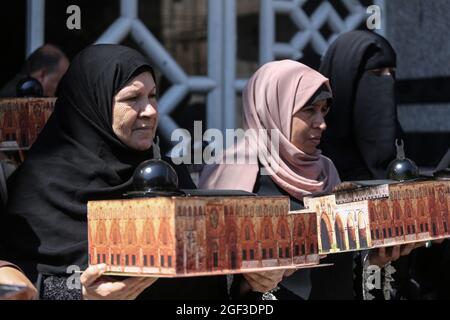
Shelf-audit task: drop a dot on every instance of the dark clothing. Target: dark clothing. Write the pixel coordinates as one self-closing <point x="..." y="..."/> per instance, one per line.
<point x="334" y="283"/>
<point x="362" y="124"/>
<point x="77" y="158"/>
<point x="9" y="90"/>
<point x="429" y="272"/>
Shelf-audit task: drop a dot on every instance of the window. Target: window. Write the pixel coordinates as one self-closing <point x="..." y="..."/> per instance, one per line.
<point x="264" y="254"/>
<point x="127" y="262"/>
<point x="233" y="260"/>
<point x="244" y="254"/>
<point x="145" y="260"/>
<point x="384" y="233"/>
<point x="377" y="233"/>
<point x="283" y="232"/>
<point x="162" y="261"/>
<point x="247" y="233"/>
<point x="371" y="234"/>
<point x="252" y="254"/>
<point x="396" y="232"/>
<point x="421" y="227"/>
<point x="312" y="248"/>
<point x="401" y="231"/>
<point x="169" y="261"/>
<point x="408" y="229"/>
<point x="288" y="252"/>
<point x="280" y="252"/>
<point x="297" y="250"/>
<point x="300" y="230"/>
<point x="216" y="259"/>
<point x="112" y="259"/>
<point x="303" y="249"/>
<point x="270" y="253"/>
<point x="390" y="232"/>
<point x="118" y="259"/>
<point x="445" y="226"/>
<point x="133" y="260"/>
<point x="413" y="228"/>
<point x="98" y="259"/>
<point x="152" y="260"/>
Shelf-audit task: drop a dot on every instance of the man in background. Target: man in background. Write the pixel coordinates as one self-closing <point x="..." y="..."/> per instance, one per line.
<point x="47" y="64"/>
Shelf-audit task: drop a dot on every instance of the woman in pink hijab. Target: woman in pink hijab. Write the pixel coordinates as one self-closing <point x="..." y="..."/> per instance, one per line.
<point x="291" y="98"/>
<point x="289" y="101"/>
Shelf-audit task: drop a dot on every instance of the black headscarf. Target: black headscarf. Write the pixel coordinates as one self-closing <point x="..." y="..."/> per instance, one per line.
<point x="76" y="158"/>
<point x="363" y="123"/>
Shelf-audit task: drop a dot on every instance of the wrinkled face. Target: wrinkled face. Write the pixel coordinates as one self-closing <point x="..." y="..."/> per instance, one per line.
<point x="135" y="112"/>
<point x="308" y="124"/>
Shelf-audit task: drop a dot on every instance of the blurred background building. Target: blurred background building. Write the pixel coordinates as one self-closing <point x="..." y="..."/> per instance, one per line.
<point x="205" y="50"/>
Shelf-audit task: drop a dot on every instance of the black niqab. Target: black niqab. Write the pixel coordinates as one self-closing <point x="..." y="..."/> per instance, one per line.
<point x="362" y="124"/>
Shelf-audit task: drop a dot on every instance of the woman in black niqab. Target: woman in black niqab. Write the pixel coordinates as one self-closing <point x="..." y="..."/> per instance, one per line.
<point x="362" y="125"/>
<point x="77" y="158"/>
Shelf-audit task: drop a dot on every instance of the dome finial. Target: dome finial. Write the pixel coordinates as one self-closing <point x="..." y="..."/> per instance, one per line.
<point x="402" y="168"/>
<point x="400" y="149"/>
<point x="156" y="149"/>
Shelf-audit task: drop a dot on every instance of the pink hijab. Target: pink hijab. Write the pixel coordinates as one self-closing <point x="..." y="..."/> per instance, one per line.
<point x="273" y="95"/>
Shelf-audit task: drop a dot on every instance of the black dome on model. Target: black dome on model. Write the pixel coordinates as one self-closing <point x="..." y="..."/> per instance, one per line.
<point x="29" y="88"/>
<point x="155" y="176"/>
<point x="402" y="168"/>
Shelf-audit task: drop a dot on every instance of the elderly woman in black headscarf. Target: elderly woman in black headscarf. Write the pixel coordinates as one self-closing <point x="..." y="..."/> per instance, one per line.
<point x="102" y="127"/>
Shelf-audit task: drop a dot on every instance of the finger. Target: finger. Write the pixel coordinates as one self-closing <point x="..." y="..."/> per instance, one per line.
<point x="31" y="293"/>
<point x="382" y="253"/>
<point x="438" y="241"/>
<point x="134" y="280"/>
<point x="105" y="290"/>
<point x="141" y="287"/>
<point x="395" y="254"/>
<point x="420" y="245"/>
<point x="289" y="273"/>
<point x="388" y="255"/>
<point x="253" y="277"/>
<point x="406" y="249"/>
<point x="257" y="283"/>
<point x="271" y="275"/>
<point x="256" y="280"/>
<point x="265" y="276"/>
<point x="261" y="286"/>
<point x="115" y="290"/>
<point x="91" y="274"/>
